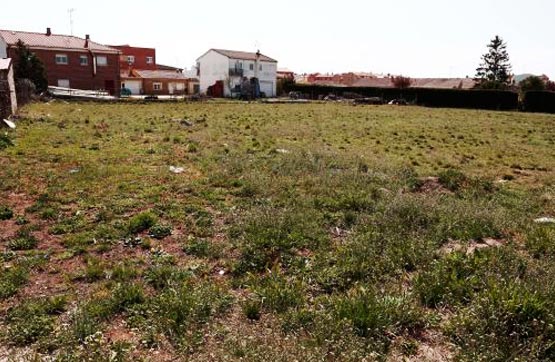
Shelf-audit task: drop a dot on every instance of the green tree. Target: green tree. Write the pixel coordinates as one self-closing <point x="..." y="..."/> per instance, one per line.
<point x="533" y="83"/>
<point x="495" y="70"/>
<point x="29" y="66"/>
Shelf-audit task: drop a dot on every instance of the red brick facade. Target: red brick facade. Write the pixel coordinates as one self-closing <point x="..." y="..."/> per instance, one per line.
<point x="136" y="58"/>
<point x="105" y="77"/>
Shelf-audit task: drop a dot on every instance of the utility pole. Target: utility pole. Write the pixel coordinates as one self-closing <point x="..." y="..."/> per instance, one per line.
<point x="71" y="11"/>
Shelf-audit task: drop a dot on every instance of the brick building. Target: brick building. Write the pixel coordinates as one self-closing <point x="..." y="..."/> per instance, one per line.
<point x="70" y="61"/>
<point x="136" y="58"/>
<point x="155" y="82"/>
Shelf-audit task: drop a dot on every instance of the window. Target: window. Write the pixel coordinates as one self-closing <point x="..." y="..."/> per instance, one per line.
<point x="149" y="60"/>
<point x="64" y="83"/>
<point x="251" y="66"/>
<point x="101" y="61"/>
<point x="157" y="86"/>
<point x="61" y="59"/>
<point x="84" y="60"/>
<point x="260" y="67"/>
<point x="130" y="59"/>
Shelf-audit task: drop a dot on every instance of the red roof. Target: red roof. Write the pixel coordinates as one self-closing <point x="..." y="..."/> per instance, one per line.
<point x="53" y="41"/>
<point x="235" y="54"/>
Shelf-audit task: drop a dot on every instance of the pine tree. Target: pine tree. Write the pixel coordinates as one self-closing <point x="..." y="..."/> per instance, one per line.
<point x="29" y="66"/>
<point x="495" y="70"/>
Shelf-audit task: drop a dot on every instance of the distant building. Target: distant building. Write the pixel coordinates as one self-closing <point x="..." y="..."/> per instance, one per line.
<point x="70" y="61"/>
<point x="156" y="82"/>
<point x="285" y="74"/>
<point x="352" y="79"/>
<point x="226" y="70"/>
<point x="136" y="58"/>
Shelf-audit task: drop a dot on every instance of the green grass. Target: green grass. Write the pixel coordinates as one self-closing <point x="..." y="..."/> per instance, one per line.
<point x="296" y="232"/>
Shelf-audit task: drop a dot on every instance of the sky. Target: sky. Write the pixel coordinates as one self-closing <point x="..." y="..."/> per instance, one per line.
<point x="416" y="38"/>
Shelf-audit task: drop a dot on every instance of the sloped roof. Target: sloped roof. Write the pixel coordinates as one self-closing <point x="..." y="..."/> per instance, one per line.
<point x="5" y="63"/>
<point x="158" y="74"/>
<point x="54" y="41"/>
<point x="235" y="54"/>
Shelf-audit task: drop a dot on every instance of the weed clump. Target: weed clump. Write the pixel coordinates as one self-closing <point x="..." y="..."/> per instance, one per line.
<point x="11" y="279"/>
<point x="452" y="179"/>
<point x="24" y="240"/>
<point x="5" y="212"/>
<point x="160" y="231"/>
<point x="141" y="222"/>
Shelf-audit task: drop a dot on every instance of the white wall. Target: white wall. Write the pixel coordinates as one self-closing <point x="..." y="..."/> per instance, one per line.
<point x="135" y="86"/>
<point x="3" y="48"/>
<point x="267" y="76"/>
<point x="213" y="67"/>
<point x="13" y="93"/>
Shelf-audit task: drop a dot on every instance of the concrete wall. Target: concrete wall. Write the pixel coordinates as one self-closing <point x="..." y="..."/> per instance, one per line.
<point x="213" y="67"/>
<point x="3" y="48"/>
<point x="267" y="76"/>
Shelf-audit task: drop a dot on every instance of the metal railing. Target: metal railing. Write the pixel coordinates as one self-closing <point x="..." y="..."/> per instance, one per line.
<point x="235" y="72"/>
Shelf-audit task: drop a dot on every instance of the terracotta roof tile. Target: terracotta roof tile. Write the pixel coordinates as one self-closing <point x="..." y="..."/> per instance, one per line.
<point x="55" y="41"/>
<point x="234" y="54"/>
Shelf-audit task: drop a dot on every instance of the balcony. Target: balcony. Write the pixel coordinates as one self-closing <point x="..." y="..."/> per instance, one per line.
<point x="235" y="72"/>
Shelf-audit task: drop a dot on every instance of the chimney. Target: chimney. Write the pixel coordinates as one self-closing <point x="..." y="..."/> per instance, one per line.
<point x="48" y="32"/>
<point x="87" y="38"/>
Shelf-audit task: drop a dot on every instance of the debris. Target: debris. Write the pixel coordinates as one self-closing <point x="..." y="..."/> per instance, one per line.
<point x="10" y="124"/>
<point x="184" y="122"/>
<point x="221" y="273"/>
<point x="74" y="171"/>
<point x="177" y="170"/>
<point x="545" y="220"/>
<point x="282" y="151"/>
<point x="132" y="242"/>
<point x="470" y="247"/>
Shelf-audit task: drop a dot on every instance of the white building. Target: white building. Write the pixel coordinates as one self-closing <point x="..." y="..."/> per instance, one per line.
<point x="229" y="67"/>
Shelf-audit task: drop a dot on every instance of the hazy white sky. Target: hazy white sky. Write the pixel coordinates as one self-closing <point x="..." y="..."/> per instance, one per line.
<point x="417" y="38"/>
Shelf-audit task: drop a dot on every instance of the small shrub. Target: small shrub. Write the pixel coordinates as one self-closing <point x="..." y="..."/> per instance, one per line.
<point x="161" y="276"/>
<point x="5" y="212"/>
<point x="125" y="296"/>
<point x="278" y="294"/>
<point x="30" y="321"/>
<point x="541" y="242"/>
<point x="141" y="222"/>
<point x="506" y="322"/>
<point x="160" y="231"/>
<point x="201" y="248"/>
<point x="5" y="141"/>
<point x="24" y="240"/>
<point x="379" y="317"/>
<point x="252" y="308"/>
<point x="452" y="179"/>
<point x="11" y="279"/>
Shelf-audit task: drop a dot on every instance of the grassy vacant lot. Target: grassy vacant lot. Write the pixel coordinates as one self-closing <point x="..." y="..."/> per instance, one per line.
<point x="320" y="232"/>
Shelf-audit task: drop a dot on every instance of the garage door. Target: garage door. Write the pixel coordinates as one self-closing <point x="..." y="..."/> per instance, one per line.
<point x="133" y="85"/>
<point x="267" y="88"/>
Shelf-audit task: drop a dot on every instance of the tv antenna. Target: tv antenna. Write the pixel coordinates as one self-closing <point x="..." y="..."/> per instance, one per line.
<point x="70" y="12"/>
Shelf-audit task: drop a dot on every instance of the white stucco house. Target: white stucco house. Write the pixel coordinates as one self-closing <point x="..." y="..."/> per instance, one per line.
<point x="230" y="67"/>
